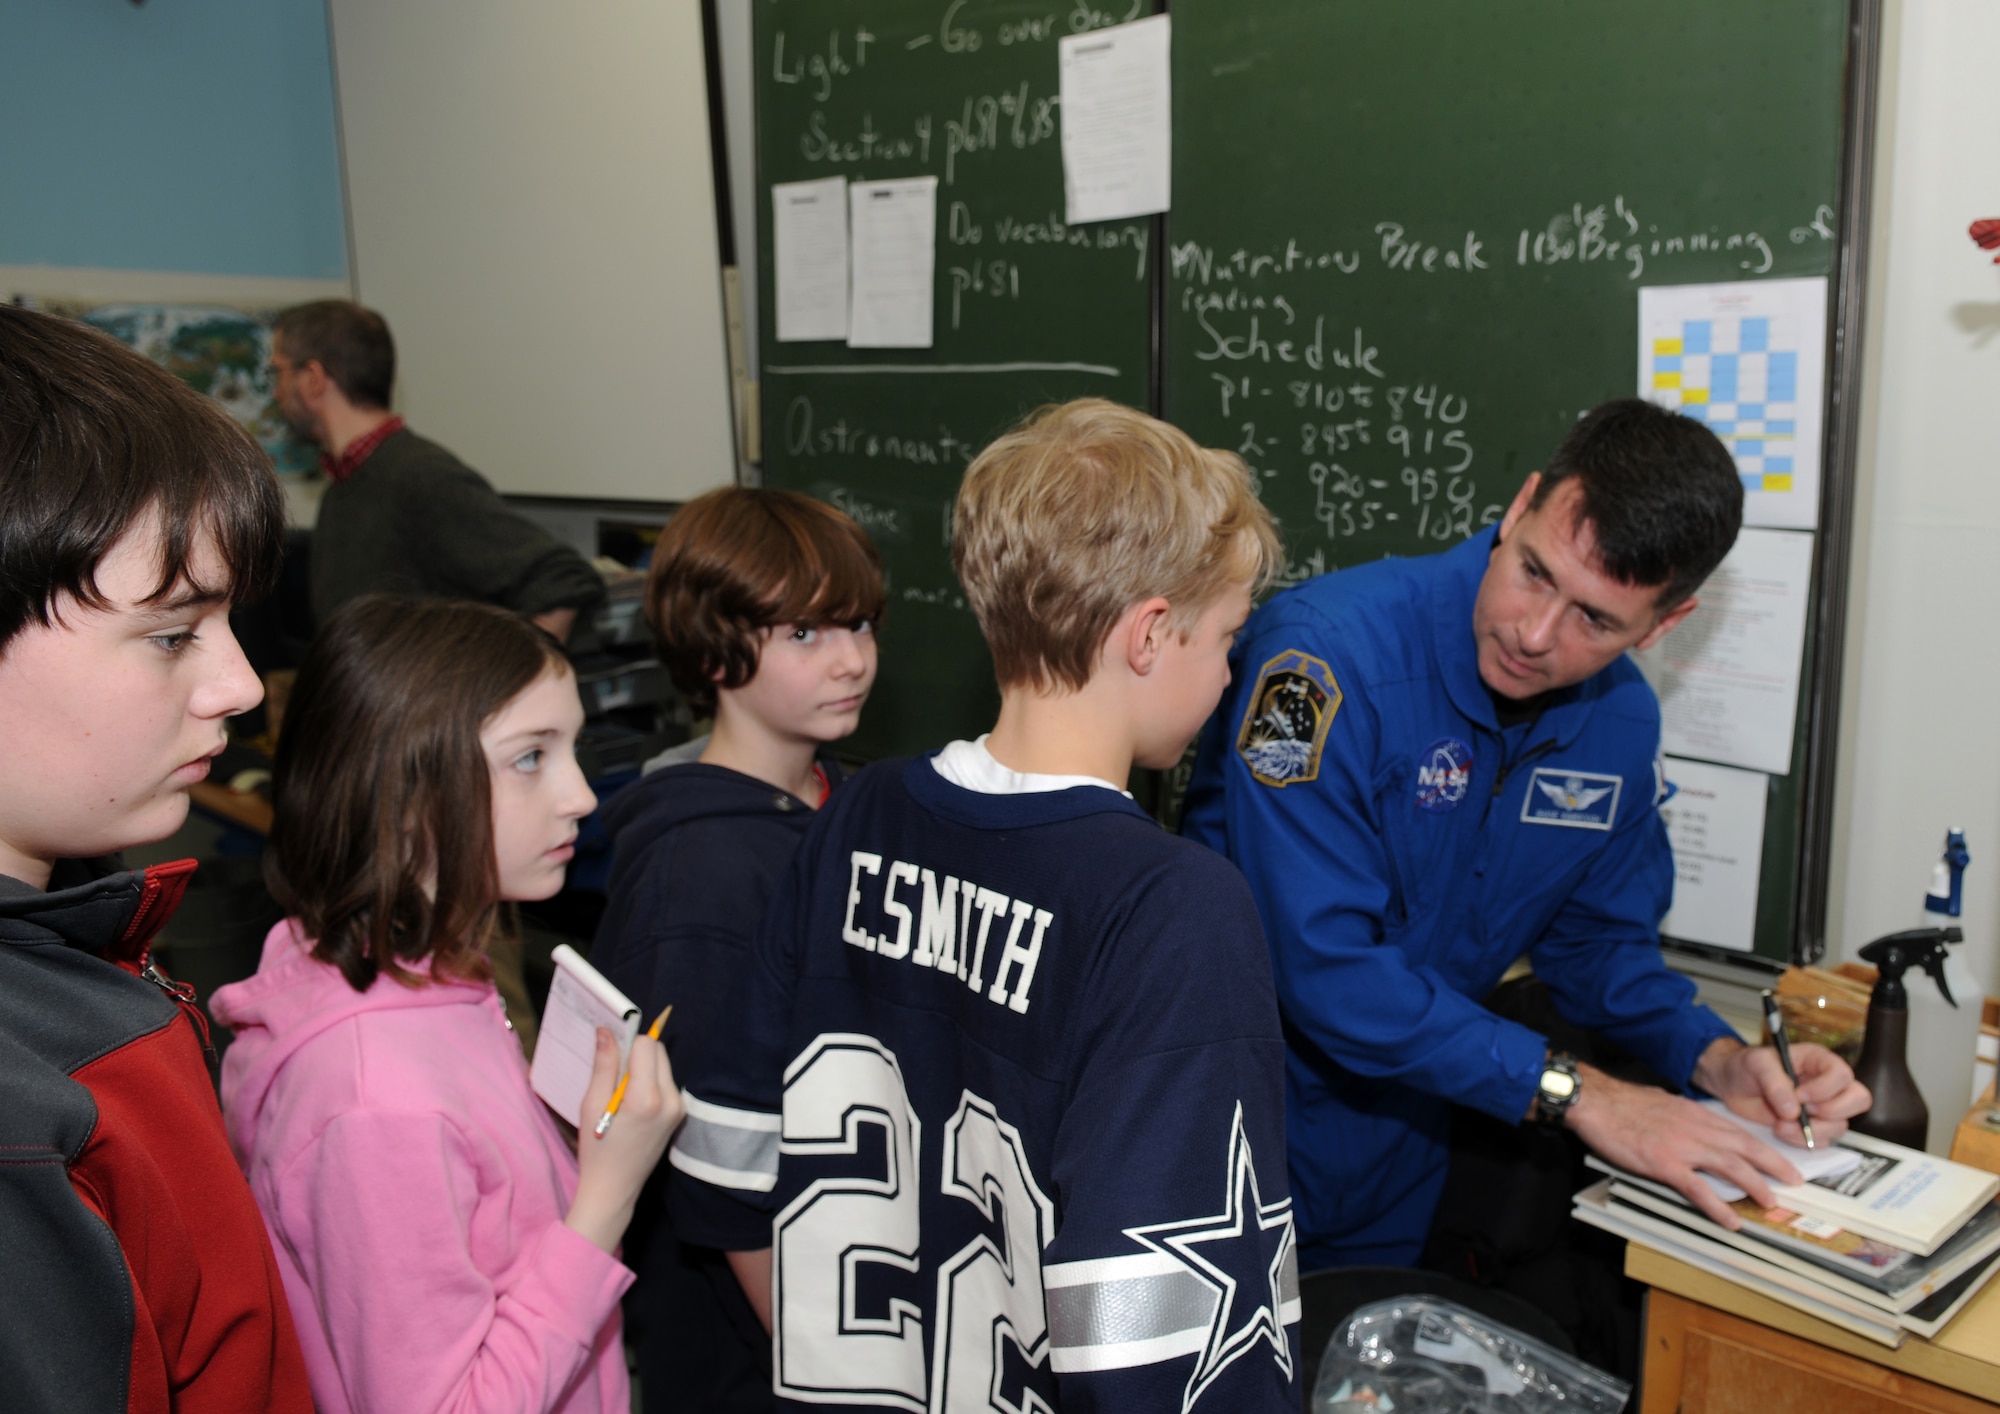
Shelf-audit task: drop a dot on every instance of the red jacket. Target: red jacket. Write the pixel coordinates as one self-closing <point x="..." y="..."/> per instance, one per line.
<point x="135" y="1273"/>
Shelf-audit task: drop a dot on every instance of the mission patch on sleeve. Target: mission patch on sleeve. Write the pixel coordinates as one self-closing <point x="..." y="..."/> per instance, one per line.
<point x="1284" y="725"/>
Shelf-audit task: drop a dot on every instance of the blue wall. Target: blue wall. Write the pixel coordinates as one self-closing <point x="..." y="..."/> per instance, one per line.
<point x="192" y="135"/>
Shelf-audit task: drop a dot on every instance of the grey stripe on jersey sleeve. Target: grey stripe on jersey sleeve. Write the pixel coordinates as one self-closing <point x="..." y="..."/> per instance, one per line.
<point x="726" y="1147"/>
<point x="1117" y="1312"/>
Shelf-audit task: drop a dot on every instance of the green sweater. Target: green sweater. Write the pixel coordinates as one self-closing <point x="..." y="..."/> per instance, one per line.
<point x="415" y="519"/>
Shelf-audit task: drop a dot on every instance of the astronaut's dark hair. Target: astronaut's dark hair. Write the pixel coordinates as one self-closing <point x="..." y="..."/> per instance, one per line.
<point x="1660" y="492"/>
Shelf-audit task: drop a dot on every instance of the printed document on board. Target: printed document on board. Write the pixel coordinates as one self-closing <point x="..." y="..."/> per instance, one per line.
<point x="1748" y="359"/>
<point x="1117" y="120"/>
<point x="1728" y="674"/>
<point x="809" y="248"/>
<point x="1715" y="822"/>
<point x="895" y="261"/>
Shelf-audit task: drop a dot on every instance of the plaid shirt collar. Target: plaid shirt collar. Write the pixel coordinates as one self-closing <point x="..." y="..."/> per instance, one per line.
<point x="358" y="451"/>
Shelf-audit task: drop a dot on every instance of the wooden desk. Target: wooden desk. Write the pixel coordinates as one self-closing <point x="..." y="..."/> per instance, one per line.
<point x="1713" y="1347"/>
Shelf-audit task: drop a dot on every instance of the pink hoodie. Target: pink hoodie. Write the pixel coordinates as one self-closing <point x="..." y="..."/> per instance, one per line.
<point x="415" y="1187"/>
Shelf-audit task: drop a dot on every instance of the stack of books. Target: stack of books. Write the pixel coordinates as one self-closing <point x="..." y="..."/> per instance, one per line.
<point x="1879" y="1240"/>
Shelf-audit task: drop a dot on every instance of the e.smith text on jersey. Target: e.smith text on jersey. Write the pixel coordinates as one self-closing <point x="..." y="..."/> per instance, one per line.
<point x="944" y="937"/>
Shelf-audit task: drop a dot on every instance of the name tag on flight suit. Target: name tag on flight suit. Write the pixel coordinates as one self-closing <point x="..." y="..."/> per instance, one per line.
<point x="1582" y="800"/>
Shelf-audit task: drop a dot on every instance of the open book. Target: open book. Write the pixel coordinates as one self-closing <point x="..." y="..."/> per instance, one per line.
<point x="581" y="999"/>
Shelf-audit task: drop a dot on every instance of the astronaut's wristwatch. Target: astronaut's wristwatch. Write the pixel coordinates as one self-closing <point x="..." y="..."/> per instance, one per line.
<point x="1558" y="1088"/>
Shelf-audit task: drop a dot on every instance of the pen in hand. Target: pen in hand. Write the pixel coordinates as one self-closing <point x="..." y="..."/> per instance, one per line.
<point x="653" y="1034"/>
<point x="1775" y="1024"/>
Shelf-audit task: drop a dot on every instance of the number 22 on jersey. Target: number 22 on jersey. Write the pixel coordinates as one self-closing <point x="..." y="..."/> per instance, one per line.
<point x="827" y="1351"/>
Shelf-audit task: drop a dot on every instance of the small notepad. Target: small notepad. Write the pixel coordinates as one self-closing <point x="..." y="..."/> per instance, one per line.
<point x="581" y="999"/>
<point x="1827" y="1161"/>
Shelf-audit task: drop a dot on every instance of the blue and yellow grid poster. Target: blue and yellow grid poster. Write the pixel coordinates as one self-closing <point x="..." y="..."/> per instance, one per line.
<point x="1748" y="359"/>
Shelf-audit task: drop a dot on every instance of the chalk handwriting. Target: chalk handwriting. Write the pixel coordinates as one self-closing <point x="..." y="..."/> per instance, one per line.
<point x="1254" y="345"/>
<point x="978" y="128"/>
<point x="994" y="279"/>
<point x="882" y="522"/>
<point x="1400" y="252"/>
<point x="963" y="229"/>
<point x="817" y="144"/>
<point x="822" y="68"/>
<point x="1821" y="226"/>
<point x="805" y="436"/>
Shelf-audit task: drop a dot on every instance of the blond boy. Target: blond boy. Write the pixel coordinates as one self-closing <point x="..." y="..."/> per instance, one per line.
<point x="1009" y="1101"/>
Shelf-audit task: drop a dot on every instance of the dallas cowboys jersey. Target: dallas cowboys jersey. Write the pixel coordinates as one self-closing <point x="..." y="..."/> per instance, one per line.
<point x="1007" y="1102"/>
<point x="1404" y="849"/>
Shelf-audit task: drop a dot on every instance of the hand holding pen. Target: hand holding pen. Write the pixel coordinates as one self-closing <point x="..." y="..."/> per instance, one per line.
<point x="613" y="1165"/>
<point x="653" y="1034"/>
<point x="1774" y="1022"/>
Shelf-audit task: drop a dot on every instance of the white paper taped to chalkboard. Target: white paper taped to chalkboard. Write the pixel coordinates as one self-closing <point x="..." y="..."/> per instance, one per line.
<point x="1715" y="823"/>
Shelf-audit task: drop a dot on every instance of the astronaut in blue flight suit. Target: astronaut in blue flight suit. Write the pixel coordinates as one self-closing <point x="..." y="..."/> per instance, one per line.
<point x="1430" y="767"/>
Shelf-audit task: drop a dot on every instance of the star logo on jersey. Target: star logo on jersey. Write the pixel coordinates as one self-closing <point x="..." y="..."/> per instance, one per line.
<point x="1246" y="1255"/>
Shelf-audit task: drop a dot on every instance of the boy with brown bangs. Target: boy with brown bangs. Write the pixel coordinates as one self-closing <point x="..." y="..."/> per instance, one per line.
<point x="1006" y="1098"/>
<point x="132" y="513"/>
<point x="763" y="605"/>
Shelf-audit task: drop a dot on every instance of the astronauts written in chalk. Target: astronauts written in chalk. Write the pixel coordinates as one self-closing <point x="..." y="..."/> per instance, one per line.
<point x="943" y="927"/>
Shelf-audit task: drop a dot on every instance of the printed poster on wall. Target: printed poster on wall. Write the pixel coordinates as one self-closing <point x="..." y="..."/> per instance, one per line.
<point x="1748" y="359"/>
<point x="1715" y="821"/>
<point x="1728" y="674"/>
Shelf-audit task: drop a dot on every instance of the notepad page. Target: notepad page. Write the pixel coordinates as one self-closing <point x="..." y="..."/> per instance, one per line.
<point x="580" y="1001"/>
<point x="1824" y="1162"/>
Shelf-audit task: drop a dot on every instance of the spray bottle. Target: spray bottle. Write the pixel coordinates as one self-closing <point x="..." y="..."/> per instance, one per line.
<point x="1944" y="1021"/>
<point x="1899" y="1113"/>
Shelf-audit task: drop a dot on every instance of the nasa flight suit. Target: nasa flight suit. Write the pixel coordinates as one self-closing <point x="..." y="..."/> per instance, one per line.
<point x="1404" y="850"/>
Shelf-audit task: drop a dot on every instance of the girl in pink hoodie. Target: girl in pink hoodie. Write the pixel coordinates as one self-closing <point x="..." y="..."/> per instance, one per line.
<point x="441" y="1245"/>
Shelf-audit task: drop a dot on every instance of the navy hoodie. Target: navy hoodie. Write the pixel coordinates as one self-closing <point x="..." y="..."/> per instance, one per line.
<point x="697" y="852"/>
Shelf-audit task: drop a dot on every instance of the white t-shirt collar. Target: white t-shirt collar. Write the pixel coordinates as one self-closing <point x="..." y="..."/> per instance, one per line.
<point x="969" y="765"/>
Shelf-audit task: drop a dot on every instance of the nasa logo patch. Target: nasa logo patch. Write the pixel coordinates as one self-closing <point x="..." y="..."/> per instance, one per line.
<point x="1284" y="725"/>
<point x="1582" y="800"/>
<point x="1444" y="775"/>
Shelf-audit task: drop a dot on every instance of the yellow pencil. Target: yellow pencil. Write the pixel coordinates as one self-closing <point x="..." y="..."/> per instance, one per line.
<point x="618" y="1095"/>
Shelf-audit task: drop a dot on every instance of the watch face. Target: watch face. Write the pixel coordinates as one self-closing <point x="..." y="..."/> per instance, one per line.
<point x="1558" y="1085"/>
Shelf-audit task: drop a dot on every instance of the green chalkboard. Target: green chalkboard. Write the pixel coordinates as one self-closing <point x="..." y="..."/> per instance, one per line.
<point x="1027" y="309"/>
<point x="1407" y="242"/>
<point x="1405" y="251"/>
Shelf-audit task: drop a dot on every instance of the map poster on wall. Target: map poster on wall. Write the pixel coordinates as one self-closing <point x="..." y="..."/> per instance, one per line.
<point x="215" y="349"/>
<point x="1749" y="359"/>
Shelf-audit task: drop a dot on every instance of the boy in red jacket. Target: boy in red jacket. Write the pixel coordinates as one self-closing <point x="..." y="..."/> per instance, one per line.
<point x="133" y="512"/>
